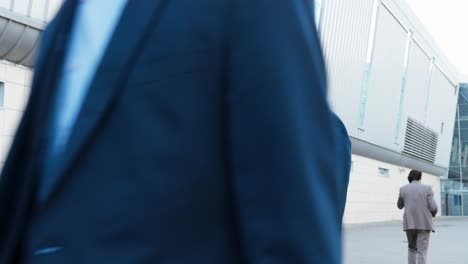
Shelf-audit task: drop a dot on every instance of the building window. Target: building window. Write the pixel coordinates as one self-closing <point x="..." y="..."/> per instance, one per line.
<point x="368" y="67"/>
<point x="318" y="12"/>
<point x="442" y="128"/>
<point x="384" y="172"/>
<point x="409" y="37"/>
<point x="2" y="94"/>
<point x="457" y="200"/>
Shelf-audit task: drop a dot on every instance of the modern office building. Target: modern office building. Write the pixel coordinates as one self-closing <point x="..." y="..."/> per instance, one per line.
<point x="455" y="188"/>
<point x="397" y="94"/>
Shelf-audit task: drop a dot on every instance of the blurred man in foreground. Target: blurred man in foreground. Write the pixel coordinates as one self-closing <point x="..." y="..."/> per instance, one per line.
<point x="176" y="132"/>
<point x="420" y="208"/>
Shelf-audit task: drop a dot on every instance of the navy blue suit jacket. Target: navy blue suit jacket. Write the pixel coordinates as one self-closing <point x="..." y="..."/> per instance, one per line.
<point x="206" y="137"/>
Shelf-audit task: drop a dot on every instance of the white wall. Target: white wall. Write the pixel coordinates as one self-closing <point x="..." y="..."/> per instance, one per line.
<point x="17" y="88"/>
<point x="43" y="10"/>
<point x="416" y="83"/>
<point x="385" y="81"/>
<point x="443" y="96"/>
<point x="373" y="198"/>
<point x="345" y="28"/>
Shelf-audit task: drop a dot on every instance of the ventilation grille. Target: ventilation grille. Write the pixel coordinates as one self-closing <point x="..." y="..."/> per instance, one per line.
<point x="420" y="142"/>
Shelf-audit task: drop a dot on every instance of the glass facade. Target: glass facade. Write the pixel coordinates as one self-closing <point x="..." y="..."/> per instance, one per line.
<point x="454" y="190"/>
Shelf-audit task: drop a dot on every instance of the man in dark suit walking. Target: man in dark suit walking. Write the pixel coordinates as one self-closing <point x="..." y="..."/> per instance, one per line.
<point x="180" y="131"/>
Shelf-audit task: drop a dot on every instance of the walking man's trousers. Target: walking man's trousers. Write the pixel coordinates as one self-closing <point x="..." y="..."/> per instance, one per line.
<point x="418" y="242"/>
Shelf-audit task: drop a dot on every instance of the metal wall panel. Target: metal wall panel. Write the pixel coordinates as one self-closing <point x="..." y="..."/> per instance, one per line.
<point x="442" y="105"/>
<point x="363" y="148"/>
<point x="38" y="9"/>
<point x="5" y="4"/>
<point x="385" y="81"/>
<point x="345" y="32"/>
<point x="41" y="10"/>
<point x="53" y="7"/>
<point x="416" y="86"/>
<point x="21" y="6"/>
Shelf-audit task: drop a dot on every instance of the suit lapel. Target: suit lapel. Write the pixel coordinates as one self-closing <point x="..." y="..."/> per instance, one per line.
<point x="128" y="40"/>
<point x="53" y="40"/>
<point x="50" y="60"/>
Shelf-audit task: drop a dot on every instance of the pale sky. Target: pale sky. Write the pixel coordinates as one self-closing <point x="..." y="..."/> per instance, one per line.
<point x="446" y="21"/>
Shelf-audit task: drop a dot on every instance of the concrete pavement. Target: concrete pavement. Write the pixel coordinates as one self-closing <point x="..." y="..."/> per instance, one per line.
<point x="386" y="243"/>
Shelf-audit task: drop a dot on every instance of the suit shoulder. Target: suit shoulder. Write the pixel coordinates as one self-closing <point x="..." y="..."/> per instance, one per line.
<point x="404" y="187"/>
<point x="426" y="186"/>
<point x="340" y="126"/>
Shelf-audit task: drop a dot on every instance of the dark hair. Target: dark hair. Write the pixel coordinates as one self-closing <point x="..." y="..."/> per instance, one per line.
<point x="414" y="175"/>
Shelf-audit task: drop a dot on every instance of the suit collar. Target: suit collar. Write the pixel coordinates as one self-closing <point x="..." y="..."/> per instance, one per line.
<point x="52" y="47"/>
<point x="125" y="44"/>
